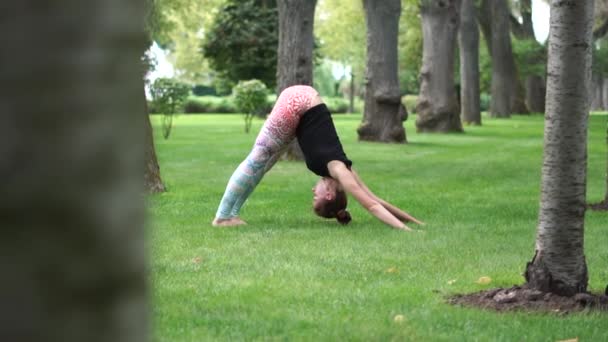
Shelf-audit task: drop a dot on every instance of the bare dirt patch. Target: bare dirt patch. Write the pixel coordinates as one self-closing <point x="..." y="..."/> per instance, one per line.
<point x="520" y="298"/>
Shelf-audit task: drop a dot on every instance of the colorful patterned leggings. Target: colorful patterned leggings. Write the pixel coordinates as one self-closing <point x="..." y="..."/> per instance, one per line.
<point x="278" y="131"/>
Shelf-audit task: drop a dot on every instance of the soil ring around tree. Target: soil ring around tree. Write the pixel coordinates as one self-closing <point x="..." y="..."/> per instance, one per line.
<point x="521" y="298"/>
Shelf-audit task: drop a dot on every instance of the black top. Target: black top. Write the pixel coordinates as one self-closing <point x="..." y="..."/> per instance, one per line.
<point x="319" y="141"/>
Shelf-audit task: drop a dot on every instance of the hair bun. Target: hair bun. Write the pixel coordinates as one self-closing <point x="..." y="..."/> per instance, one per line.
<point x="343" y="216"/>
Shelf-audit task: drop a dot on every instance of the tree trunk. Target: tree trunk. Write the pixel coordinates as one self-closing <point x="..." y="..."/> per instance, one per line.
<point x="437" y="106"/>
<point x="381" y="119"/>
<point x="484" y="18"/>
<point x="559" y="264"/>
<point x="535" y="93"/>
<point x="351" y="95"/>
<point x="597" y="102"/>
<point x="71" y="146"/>
<point x="604" y="93"/>
<point x="470" y="112"/>
<point x="152" y="181"/>
<point x="535" y="85"/>
<point x="296" y="42"/>
<point x="504" y="71"/>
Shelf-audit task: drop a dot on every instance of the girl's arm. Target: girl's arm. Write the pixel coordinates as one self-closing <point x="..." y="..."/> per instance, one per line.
<point x="345" y="177"/>
<point x="400" y="214"/>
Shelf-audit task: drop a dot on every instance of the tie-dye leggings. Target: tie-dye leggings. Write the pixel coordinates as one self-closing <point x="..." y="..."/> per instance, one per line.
<point x="278" y="131"/>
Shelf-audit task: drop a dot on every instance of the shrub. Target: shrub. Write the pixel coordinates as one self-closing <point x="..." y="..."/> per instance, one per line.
<point x="202" y="90"/>
<point x="168" y="98"/>
<point x="210" y="104"/>
<point x="409" y="101"/>
<point x="250" y="99"/>
<point x="336" y="105"/>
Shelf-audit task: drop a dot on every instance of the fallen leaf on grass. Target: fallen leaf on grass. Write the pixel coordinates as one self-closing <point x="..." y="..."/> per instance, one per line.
<point x="197" y="260"/>
<point x="392" y="270"/>
<point x="484" y="280"/>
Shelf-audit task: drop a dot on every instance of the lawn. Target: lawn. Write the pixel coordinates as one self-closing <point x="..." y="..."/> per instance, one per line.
<point x="289" y="275"/>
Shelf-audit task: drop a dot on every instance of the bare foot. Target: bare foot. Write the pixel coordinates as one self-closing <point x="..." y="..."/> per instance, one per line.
<point x="229" y="222"/>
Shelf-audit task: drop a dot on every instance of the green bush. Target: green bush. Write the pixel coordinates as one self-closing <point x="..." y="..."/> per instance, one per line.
<point x="409" y="101"/>
<point x="210" y="104"/>
<point x="250" y="99"/>
<point x="336" y="105"/>
<point x="484" y="102"/>
<point x="168" y="97"/>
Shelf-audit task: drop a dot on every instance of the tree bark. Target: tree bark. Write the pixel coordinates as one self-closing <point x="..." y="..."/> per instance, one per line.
<point x="504" y="71"/>
<point x="437" y="106"/>
<point x="152" y="181"/>
<point x="597" y="101"/>
<point x="535" y="93"/>
<point x="72" y="150"/>
<point x="470" y="112"/>
<point x="604" y="93"/>
<point x="296" y="42"/>
<point x="534" y="84"/>
<point x="382" y="121"/>
<point x="559" y="264"/>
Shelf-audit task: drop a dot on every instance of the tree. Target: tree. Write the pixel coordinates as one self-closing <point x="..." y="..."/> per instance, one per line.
<point x="530" y="57"/>
<point x="295" y="52"/>
<point x="153" y="182"/>
<point x="507" y="92"/>
<point x="437" y="106"/>
<point x="504" y="71"/>
<point x="470" y="112"/>
<point x="242" y="42"/>
<point x="383" y="112"/>
<point x="71" y="205"/>
<point x="559" y="265"/>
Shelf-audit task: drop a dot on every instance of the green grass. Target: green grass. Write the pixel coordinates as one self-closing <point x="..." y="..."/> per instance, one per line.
<point x="289" y="275"/>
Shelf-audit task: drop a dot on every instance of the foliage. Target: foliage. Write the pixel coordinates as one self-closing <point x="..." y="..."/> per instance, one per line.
<point x="340" y="26"/>
<point x="289" y="275"/>
<point x="250" y="99"/>
<point x="409" y="101"/>
<point x="410" y="47"/>
<point x="168" y="97"/>
<point x="242" y="42"/>
<point x="210" y="104"/>
<point x="530" y="57"/>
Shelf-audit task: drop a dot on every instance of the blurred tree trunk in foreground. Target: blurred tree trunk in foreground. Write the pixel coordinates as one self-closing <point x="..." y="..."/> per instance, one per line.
<point x="437" y="106"/>
<point x="383" y="113"/>
<point x="71" y="152"/>
<point x="294" y="60"/>
<point x="470" y="112"/>
<point x="559" y="265"/>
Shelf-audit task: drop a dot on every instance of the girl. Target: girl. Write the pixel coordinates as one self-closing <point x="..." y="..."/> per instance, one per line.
<point x="299" y="112"/>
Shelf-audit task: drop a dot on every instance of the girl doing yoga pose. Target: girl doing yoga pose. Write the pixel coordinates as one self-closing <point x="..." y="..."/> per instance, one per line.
<point x="299" y="112"/>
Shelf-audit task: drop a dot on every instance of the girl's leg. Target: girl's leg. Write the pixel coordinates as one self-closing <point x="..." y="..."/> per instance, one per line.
<point x="276" y="134"/>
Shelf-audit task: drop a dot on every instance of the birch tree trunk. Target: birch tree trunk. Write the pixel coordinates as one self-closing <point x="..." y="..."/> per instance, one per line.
<point x="296" y="42"/>
<point x="437" y="106"/>
<point x="559" y="264"/>
<point x="71" y="146"/>
<point x="470" y="112"/>
<point x="382" y="113"/>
